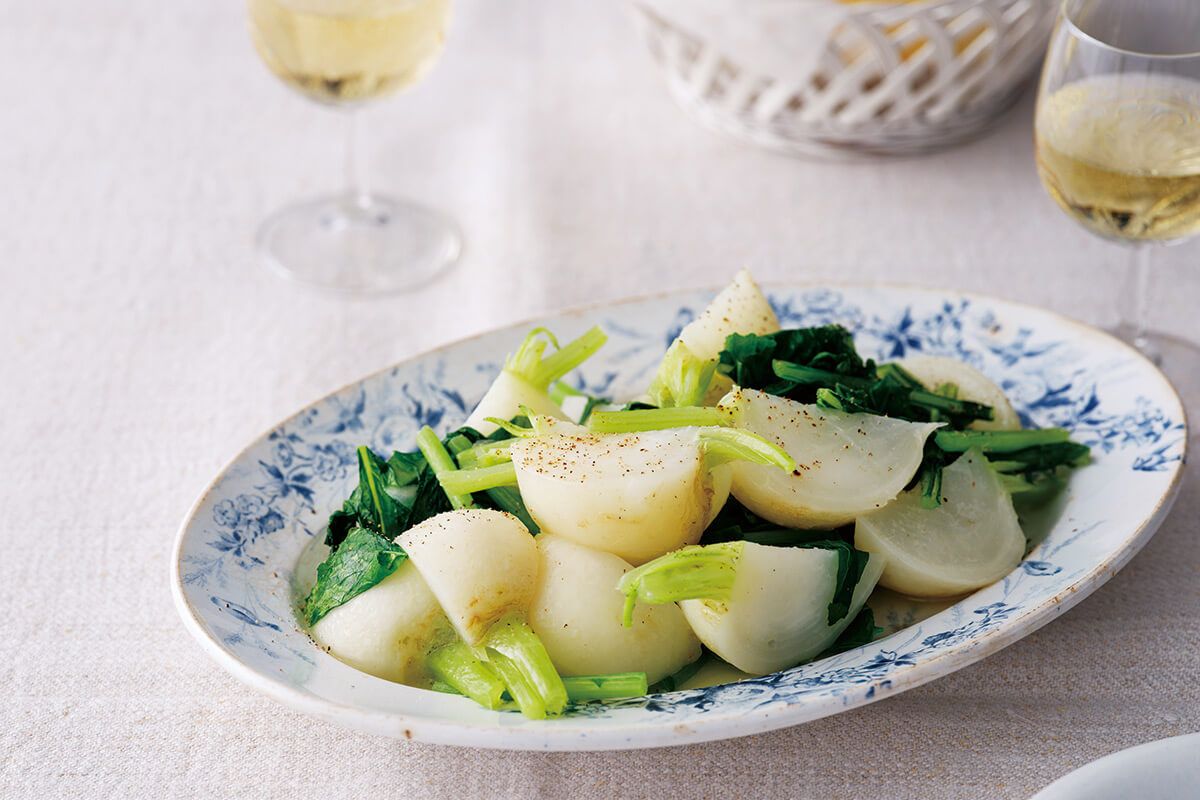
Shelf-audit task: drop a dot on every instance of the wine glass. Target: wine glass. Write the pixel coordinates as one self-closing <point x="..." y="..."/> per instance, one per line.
<point x="1117" y="135"/>
<point x="344" y="53"/>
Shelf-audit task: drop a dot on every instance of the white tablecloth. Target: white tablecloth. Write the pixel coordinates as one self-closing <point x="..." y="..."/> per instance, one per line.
<point x="141" y="345"/>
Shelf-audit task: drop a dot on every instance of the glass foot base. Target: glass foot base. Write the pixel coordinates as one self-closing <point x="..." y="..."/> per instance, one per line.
<point x="375" y="247"/>
<point x="1179" y="359"/>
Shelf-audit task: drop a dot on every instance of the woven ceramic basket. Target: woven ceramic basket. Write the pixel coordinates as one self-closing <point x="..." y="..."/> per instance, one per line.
<point x="890" y="78"/>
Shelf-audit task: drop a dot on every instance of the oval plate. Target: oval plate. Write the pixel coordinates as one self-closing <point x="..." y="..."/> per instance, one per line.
<point x="236" y="583"/>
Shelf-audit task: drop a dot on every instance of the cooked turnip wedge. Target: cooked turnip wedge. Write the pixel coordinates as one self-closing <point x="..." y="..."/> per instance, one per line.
<point x="388" y="630"/>
<point x="637" y="495"/>
<point x="760" y="608"/>
<point x="847" y="464"/>
<point x="970" y="540"/>
<point x="971" y="384"/>
<point x="740" y="307"/>
<point x="396" y="631"/>
<point x="482" y="567"/>
<point x="577" y="615"/>
<point x="527" y="376"/>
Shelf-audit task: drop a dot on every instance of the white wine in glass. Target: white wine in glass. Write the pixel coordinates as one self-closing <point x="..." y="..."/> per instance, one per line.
<point x="1124" y="160"/>
<point x="348" y="51"/>
<point x="1117" y="135"/>
<point x="345" y="53"/>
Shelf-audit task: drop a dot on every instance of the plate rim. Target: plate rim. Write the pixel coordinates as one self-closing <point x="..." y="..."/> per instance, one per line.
<point x="717" y="726"/>
<point x="1079" y="777"/>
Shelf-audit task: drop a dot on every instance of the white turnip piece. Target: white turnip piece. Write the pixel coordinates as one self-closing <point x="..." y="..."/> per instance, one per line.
<point x="740" y="307"/>
<point x="847" y="465"/>
<point x="636" y="495"/>
<point x="525" y="380"/>
<point x="576" y="612"/>
<point x="969" y="541"/>
<point x="971" y="384"/>
<point x="388" y="630"/>
<point x="482" y="566"/>
<point x="760" y="608"/>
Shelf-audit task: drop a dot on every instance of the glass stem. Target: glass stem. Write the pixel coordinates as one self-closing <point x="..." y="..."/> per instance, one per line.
<point x="356" y="166"/>
<point x="1135" y="296"/>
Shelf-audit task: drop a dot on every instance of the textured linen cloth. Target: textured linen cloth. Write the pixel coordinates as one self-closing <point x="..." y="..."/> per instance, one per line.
<point x="141" y="346"/>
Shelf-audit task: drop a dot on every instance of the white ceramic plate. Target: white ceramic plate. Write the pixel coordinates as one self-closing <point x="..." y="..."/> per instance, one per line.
<point x="236" y="582"/>
<point x="1168" y="769"/>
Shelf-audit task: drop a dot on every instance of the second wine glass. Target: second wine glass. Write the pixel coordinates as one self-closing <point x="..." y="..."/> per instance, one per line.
<point x="1118" y="134"/>
<point x="345" y="53"/>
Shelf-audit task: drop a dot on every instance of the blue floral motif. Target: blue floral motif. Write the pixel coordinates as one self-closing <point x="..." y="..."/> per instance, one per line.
<point x="900" y="337"/>
<point x="1040" y="568"/>
<point x="816" y="307"/>
<point x="242" y="613"/>
<point x="1019" y="348"/>
<point x="347" y="416"/>
<point x="256" y="628"/>
<point x="988" y="616"/>
<point x="243" y="520"/>
<point x="331" y="462"/>
<point x="1158" y="459"/>
<point x="246" y="536"/>
<point x="791" y="686"/>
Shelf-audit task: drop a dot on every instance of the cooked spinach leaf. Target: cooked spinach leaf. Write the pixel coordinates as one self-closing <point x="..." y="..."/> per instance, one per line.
<point x="363" y="559"/>
<point x="383" y="498"/>
<point x="429" y="501"/>
<point x="747" y="358"/>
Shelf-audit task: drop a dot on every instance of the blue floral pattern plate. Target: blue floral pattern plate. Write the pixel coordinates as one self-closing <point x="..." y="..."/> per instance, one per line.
<point x="237" y="580"/>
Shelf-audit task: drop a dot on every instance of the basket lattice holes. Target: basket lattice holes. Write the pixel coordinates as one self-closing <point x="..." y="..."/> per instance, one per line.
<point x="896" y="63"/>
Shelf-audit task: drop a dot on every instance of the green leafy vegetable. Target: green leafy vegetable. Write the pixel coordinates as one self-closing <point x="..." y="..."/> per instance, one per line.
<point x="391" y="497"/>
<point x="675" y="682"/>
<point x="822" y="365"/>
<point x="520" y="660"/>
<point x="441" y="462"/>
<point x="735" y="523"/>
<point x="999" y="441"/>
<point x="690" y="573"/>
<point x="862" y="630"/>
<point x="929" y="474"/>
<point x="580" y="688"/>
<point x="747" y="358"/>
<point x="1037" y="472"/>
<point x="382" y="499"/>
<point x="1047" y="457"/>
<point x="469" y="446"/>
<point x="508" y="498"/>
<point x="890" y="396"/>
<point x="363" y="559"/>
<point x="429" y="501"/>
<point x="851" y="563"/>
<point x="383" y="512"/>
